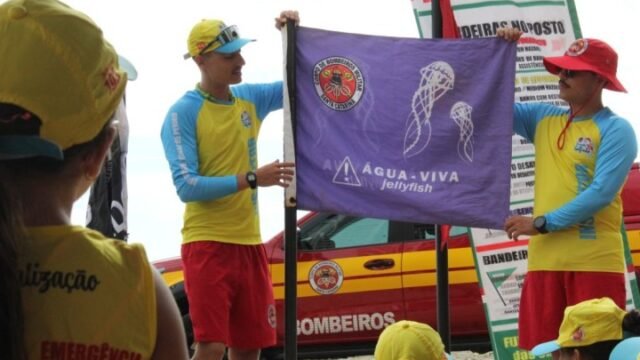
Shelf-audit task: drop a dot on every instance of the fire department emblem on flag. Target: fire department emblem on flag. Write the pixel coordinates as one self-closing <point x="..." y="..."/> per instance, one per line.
<point x="339" y="82"/>
<point x="326" y="277"/>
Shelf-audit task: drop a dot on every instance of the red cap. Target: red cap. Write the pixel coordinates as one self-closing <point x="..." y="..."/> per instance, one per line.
<point x="588" y="55"/>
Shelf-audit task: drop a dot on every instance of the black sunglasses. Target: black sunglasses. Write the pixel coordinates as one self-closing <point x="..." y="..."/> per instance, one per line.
<point x="567" y="73"/>
<point x="572" y="73"/>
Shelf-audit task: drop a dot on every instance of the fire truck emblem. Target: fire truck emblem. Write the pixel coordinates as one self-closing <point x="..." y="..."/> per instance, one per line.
<point x="338" y="82"/>
<point x="326" y="277"/>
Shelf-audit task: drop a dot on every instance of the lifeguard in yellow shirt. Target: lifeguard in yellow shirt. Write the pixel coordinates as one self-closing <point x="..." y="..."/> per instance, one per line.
<point x="583" y="155"/>
<point x="210" y="141"/>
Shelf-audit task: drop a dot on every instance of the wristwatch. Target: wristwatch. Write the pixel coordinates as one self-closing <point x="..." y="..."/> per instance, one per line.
<point x="252" y="179"/>
<point x="540" y="223"/>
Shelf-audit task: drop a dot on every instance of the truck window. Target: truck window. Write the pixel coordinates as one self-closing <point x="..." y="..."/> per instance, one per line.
<point x="341" y="231"/>
<point x="427" y="232"/>
<point x="362" y="232"/>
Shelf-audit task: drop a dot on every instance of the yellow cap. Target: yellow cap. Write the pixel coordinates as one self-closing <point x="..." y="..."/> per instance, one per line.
<point x="204" y="33"/>
<point x="56" y="64"/>
<point x="586" y="323"/>
<point x="409" y="340"/>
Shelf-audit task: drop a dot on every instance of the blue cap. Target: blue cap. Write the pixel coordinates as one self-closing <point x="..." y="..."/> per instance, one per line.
<point x="628" y="349"/>
<point x="545" y="348"/>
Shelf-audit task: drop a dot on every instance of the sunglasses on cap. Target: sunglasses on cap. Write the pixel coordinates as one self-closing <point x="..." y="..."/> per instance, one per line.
<point x="226" y="36"/>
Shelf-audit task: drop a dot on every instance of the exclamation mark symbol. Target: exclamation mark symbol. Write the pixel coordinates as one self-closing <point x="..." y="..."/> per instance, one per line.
<point x="346" y="174"/>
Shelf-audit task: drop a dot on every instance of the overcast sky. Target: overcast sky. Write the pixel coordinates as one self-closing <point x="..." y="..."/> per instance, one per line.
<point x="152" y="35"/>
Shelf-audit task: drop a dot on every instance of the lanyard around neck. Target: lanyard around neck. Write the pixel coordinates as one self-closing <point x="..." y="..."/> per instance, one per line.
<point x="212" y="98"/>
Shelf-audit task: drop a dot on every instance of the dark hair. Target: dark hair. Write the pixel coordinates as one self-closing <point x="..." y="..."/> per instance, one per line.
<point x="631" y="322"/>
<point x="11" y="230"/>
<point x="16" y="120"/>
<point x="598" y="351"/>
<point x="602" y="350"/>
<point x="12" y="344"/>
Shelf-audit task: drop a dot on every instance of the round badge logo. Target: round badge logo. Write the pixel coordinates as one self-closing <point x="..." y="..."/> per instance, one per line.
<point x="338" y="82"/>
<point x="326" y="277"/>
<point x="578" y="47"/>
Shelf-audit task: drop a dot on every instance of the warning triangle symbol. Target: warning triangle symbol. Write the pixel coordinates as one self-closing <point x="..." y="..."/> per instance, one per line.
<point x="346" y="174"/>
<point x="500" y="276"/>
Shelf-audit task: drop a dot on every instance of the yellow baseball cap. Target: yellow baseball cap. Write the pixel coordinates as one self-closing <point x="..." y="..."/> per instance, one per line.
<point x="57" y="65"/>
<point x="410" y="340"/>
<point x="213" y="35"/>
<point x="586" y="323"/>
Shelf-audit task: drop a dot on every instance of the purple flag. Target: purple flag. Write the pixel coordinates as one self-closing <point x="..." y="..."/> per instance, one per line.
<point x="404" y="129"/>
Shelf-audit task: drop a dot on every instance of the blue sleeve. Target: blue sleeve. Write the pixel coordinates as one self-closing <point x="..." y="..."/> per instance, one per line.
<point x="618" y="150"/>
<point x="526" y="117"/>
<point x="266" y="97"/>
<point x="179" y="140"/>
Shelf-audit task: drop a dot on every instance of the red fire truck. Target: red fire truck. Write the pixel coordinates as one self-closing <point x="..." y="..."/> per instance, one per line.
<point x="357" y="275"/>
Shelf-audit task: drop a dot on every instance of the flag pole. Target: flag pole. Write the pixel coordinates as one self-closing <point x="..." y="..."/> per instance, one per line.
<point x="442" y="256"/>
<point x="290" y="215"/>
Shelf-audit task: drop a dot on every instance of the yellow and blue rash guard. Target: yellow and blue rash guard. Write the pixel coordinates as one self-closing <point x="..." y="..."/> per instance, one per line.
<point x="208" y="143"/>
<point x="577" y="188"/>
<point x="86" y="296"/>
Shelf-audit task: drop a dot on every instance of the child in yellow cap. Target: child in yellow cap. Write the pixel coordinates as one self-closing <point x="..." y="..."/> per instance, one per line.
<point x="67" y="291"/>
<point x="590" y="330"/>
<point x="410" y="340"/>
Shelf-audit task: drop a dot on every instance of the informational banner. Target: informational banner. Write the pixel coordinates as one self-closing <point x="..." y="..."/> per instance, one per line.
<point x="421" y="133"/>
<point x="549" y="28"/>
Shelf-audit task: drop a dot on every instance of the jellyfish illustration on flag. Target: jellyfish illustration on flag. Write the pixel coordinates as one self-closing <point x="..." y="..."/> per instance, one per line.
<point x="437" y="78"/>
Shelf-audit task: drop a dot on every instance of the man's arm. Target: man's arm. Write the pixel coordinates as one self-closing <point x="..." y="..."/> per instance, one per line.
<point x="266" y="97"/>
<point x="178" y="136"/>
<point x="525" y="120"/>
<point x="180" y="146"/>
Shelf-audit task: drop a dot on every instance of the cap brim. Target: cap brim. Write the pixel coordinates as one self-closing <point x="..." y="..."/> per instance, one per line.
<point x="233" y="46"/>
<point x="628" y="349"/>
<point x="545" y="348"/>
<point x="554" y="64"/>
<point x="128" y="68"/>
<point x="557" y="63"/>
<point x="26" y="146"/>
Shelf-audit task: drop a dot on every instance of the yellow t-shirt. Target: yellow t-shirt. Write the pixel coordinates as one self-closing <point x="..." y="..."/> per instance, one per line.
<point x="577" y="188"/>
<point x="208" y="143"/>
<point x="86" y="296"/>
<point x="226" y="145"/>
